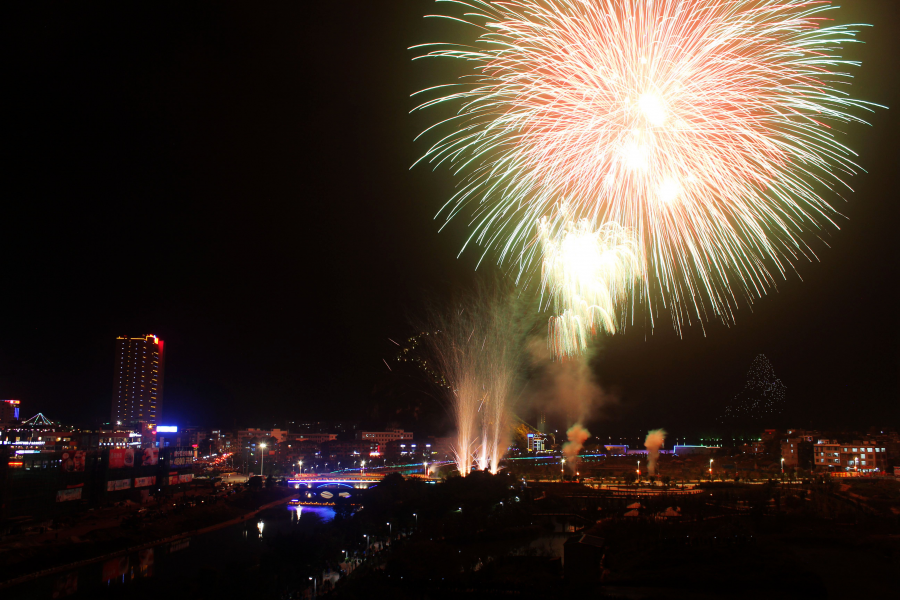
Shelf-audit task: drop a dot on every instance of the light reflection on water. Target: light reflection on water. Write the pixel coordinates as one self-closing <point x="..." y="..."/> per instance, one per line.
<point x="326" y="513"/>
<point x="170" y="562"/>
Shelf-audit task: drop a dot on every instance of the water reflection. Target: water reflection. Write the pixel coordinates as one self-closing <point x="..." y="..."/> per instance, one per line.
<point x="326" y="513"/>
<point x="170" y="562"/>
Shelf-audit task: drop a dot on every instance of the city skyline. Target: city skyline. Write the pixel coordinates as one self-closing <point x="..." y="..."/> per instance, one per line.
<point x="290" y="245"/>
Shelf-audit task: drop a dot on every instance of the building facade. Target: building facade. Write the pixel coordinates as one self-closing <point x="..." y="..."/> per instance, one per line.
<point x="858" y="456"/>
<point x="536" y="442"/>
<point x="316" y="438"/>
<point x="384" y="437"/>
<point x="138" y="380"/>
<point x="797" y="452"/>
<point x="10" y="411"/>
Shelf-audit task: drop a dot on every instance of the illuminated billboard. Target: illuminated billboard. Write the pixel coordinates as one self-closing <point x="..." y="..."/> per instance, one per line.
<point x="151" y="457"/>
<point x="118" y="484"/>
<point x="120" y="458"/>
<point x="180" y="458"/>
<point x="178" y="479"/>
<point x="72" y="461"/>
<point x="67" y="495"/>
<point x="167" y="429"/>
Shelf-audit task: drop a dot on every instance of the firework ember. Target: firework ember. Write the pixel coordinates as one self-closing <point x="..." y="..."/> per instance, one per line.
<point x="586" y="273"/>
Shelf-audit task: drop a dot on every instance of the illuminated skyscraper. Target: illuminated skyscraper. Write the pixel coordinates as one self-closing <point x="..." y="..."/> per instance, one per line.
<point x="138" y="380"/>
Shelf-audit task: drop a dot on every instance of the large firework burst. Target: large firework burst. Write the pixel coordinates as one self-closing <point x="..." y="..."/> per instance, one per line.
<point x="702" y="126"/>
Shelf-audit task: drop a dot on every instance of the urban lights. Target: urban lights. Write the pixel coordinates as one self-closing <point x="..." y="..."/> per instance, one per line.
<point x="262" y="460"/>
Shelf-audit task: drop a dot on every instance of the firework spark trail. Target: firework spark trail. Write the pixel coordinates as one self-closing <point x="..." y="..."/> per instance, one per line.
<point x="478" y="355"/>
<point x="586" y="274"/>
<point x="702" y="126"/>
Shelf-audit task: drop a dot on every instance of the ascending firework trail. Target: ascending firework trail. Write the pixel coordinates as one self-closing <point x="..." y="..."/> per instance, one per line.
<point x="476" y="347"/>
<point x="702" y="129"/>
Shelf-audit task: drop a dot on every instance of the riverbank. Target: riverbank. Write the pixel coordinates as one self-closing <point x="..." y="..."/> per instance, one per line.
<point x="110" y="541"/>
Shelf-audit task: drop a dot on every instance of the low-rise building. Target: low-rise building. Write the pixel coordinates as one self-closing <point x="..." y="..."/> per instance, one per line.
<point x="384" y="437"/>
<point x="316" y="438"/>
<point x="10" y="411"/>
<point x="757" y="447"/>
<point x="537" y="442"/>
<point x="413" y="450"/>
<point x="352" y="450"/>
<point x="857" y="456"/>
<point x="687" y="450"/>
<point x="796" y="452"/>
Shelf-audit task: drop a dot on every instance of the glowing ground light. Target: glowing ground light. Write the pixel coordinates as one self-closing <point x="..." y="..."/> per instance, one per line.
<point x="703" y="127"/>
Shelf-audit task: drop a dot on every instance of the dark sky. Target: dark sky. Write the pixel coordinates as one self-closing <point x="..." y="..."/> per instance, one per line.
<point x="234" y="179"/>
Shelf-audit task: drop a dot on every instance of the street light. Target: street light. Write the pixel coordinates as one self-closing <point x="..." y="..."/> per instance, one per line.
<point x="562" y="469"/>
<point x="262" y="459"/>
<point x="710" y="469"/>
<point x="782" y="465"/>
<point x="300" y="464"/>
<point x="425" y="466"/>
<point x="314" y="587"/>
<point x="390" y="529"/>
<point x="417" y="519"/>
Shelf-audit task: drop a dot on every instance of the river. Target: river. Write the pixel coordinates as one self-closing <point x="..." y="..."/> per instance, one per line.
<point x="171" y="561"/>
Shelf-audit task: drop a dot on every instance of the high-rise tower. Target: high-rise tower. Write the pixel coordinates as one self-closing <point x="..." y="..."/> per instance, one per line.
<point x="138" y="380"/>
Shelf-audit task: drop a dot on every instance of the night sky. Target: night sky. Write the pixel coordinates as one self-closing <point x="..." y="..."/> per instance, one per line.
<point x="236" y="180"/>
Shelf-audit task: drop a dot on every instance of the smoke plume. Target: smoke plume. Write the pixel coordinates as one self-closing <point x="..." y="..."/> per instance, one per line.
<point x="565" y="389"/>
<point x="655" y="440"/>
<point x="577" y="435"/>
